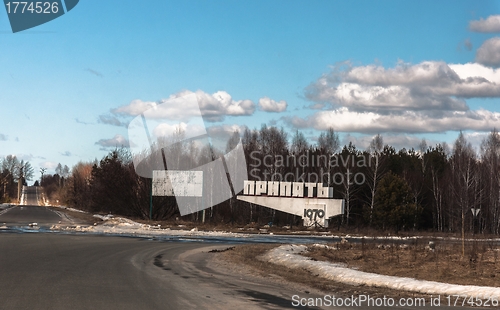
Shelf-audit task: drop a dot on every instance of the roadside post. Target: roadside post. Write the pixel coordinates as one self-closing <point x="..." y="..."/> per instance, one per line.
<point x="151" y="201"/>
<point x="475" y="213"/>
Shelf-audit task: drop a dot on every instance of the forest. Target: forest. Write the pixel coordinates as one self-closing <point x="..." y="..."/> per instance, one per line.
<point x="437" y="188"/>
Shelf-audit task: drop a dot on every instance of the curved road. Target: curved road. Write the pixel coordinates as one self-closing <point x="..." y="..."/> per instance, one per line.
<point x="63" y="271"/>
<point x="50" y="271"/>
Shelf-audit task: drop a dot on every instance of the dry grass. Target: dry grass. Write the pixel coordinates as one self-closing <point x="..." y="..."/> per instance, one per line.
<point x="251" y="228"/>
<point x="444" y="263"/>
<point x="248" y="255"/>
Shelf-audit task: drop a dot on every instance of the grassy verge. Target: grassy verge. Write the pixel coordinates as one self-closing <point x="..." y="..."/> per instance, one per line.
<point x="247" y="256"/>
<point x="440" y="261"/>
<point x="79" y="217"/>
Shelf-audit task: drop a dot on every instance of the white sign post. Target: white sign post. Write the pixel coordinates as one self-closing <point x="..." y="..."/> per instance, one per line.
<point x="177" y="183"/>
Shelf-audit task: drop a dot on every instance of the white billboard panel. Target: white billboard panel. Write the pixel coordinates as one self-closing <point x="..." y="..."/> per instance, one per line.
<point x="177" y="183"/>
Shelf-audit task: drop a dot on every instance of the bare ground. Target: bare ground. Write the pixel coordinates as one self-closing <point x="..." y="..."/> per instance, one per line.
<point x="246" y="255"/>
<point x="441" y="262"/>
<point x="78" y="217"/>
<point x="479" y="266"/>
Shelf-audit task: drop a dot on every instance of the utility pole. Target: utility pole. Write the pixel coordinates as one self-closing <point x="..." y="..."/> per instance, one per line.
<point x="19" y="184"/>
<point x="151" y="200"/>
<point x="42" y="171"/>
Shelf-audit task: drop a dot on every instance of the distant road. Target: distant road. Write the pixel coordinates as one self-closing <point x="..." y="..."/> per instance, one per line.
<point x="31" y="195"/>
<point x="29" y="212"/>
<point x="25" y="215"/>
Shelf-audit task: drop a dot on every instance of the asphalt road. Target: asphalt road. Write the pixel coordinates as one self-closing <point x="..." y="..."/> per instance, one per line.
<point x="63" y="271"/>
<point x="29" y="212"/>
<point x="49" y="271"/>
<point x="31" y="195"/>
<point x="25" y="215"/>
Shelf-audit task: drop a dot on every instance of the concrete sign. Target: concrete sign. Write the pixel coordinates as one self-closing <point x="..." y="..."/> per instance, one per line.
<point x="312" y="201"/>
<point x="287" y="189"/>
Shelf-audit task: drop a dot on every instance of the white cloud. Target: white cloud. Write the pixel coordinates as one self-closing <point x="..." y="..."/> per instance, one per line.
<point x="269" y="105"/>
<point x="425" y="97"/>
<point x="117" y="141"/>
<point x="343" y="120"/>
<point x="226" y="129"/>
<point x="471" y="70"/>
<point x="221" y="134"/>
<point x="216" y="106"/>
<point x="468" y="44"/>
<point x="489" y="53"/>
<point x="489" y="25"/>
<point x="213" y="107"/>
<point x="134" y="108"/>
<point x="111" y="120"/>
<point x="27" y="157"/>
<point x="167" y="131"/>
<point x="429" y="85"/>
<point x="476" y="138"/>
<point x="48" y="164"/>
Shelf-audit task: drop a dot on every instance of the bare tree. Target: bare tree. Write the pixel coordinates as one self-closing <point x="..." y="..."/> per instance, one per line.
<point x="346" y="178"/>
<point x="374" y="175"/>
<point x="437" y="162"/>
<point x="59" y="169"/>
<point x="274" y="148"/>
<point x="10" y="163"/>
<point x="490" y="154"/>
<point x="65" y="171"/>
<point x="465" y="177"/>
<point x="329" y="142"/>
<point x="299" y="149"/>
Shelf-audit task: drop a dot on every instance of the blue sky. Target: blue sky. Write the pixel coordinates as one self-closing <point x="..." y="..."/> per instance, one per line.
<point x="398" y="68"/>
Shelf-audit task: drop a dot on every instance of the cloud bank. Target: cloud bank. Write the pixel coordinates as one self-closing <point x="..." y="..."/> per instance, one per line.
<point x="488" y="54"/>
<point x="214" y="107"/>
<point x="269" y="105"/>
<point x="415" y="98"/>
<point x="117" y="141"/>
<point x="489" y="25"/>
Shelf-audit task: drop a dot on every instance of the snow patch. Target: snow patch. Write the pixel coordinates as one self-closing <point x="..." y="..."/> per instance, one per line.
<point x="124" y="226"/>
<point x="323" y="246"/>
<point x="289" y="255"/>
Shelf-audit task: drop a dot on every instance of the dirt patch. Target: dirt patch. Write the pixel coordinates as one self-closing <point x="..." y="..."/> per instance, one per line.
<point x="78" y="217"/>
<point x="440" y="261"/>
<point x="247" y="255"/>
<point x="252" y="228"/>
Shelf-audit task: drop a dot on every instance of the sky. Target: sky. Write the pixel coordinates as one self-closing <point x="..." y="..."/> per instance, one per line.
<point x="408" y="70"/>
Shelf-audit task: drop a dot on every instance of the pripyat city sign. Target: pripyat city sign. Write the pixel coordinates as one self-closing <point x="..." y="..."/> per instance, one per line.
<point x="287" y="189"/>
<point x="312" y="201"/>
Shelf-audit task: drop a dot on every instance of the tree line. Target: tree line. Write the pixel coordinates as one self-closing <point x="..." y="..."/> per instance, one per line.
<point x="14" y="173"/>
<point x="438" y="188"/>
